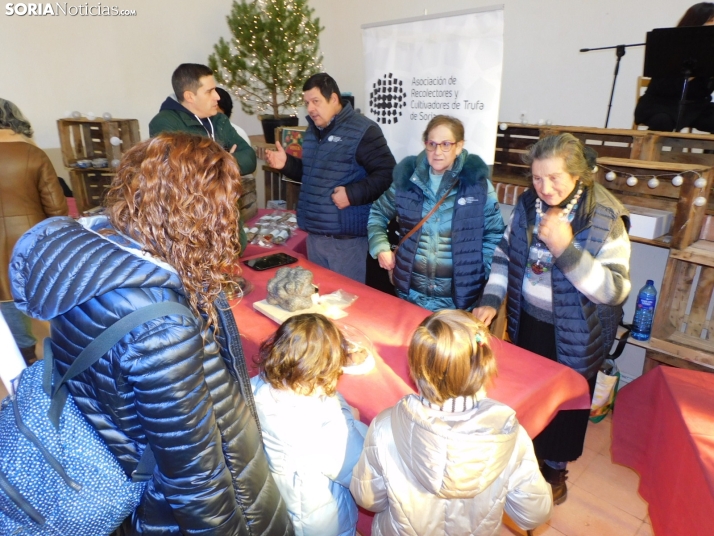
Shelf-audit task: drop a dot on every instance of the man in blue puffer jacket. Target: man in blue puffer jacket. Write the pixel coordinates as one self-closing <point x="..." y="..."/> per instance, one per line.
<point x="346" y="165"/>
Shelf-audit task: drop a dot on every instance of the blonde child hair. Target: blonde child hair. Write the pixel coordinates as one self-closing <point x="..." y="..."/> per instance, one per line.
<point x="305" y="354"/>
<point x="450" y="356"/>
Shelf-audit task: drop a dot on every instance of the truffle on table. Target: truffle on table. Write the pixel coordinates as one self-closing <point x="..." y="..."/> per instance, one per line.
<point x="291" y="289"/>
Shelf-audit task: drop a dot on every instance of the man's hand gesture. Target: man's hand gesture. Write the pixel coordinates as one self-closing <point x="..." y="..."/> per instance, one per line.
<point x="276" y="159"/>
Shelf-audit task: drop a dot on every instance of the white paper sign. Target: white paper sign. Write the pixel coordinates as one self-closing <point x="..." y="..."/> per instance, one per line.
<point x="420" y="68"/>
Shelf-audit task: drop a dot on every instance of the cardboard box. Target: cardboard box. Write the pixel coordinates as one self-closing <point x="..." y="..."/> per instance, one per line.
<point x="649" y="222"/>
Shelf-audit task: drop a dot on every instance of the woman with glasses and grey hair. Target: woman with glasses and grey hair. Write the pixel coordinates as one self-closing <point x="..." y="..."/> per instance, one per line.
<point x="29" y="193"/>
<point x="449" y="222"/>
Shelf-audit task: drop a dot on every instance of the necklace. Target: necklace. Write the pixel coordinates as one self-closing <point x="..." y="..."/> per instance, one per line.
<point x="564" y="214"/>
<point x="540" y="259"/>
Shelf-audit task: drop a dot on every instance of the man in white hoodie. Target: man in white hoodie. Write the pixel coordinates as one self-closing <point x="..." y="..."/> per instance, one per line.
<point x="450" y="460"/>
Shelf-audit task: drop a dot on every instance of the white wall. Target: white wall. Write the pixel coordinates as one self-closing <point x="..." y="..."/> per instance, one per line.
<point x="120" y="65"/>
<point x="544" y="74"/>
<point x="123" y="65"/>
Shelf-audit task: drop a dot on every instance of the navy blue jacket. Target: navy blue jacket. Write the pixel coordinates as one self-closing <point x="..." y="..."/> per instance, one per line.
<point x="584" y="331"/>
<point x="330" y="158"/>
<point x="162" y="384"/>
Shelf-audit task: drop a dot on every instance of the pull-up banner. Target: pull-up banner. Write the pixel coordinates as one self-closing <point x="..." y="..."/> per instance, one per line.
<point x="449" y="63"/>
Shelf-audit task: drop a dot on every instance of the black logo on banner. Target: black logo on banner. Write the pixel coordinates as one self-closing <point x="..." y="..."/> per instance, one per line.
<point x="387" y="99"/>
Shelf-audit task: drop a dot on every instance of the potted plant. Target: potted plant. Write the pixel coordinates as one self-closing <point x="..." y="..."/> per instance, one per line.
<point x="274" y="48"/>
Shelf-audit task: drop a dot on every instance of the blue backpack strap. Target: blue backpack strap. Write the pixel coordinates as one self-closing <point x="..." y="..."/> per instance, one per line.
<point x="105" y="342"/>
<point x="90" y="355"/>
<point x="145" y="468"/>
<point x="49" y="366"/>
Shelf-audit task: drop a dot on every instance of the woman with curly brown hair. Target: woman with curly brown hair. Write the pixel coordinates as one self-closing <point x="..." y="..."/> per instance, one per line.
<point x="176" y="384"/>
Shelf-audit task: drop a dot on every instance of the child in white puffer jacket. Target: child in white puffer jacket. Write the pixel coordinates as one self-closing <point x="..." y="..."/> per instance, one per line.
<point x="448" y="460"/>
<point x="311" y="438"/>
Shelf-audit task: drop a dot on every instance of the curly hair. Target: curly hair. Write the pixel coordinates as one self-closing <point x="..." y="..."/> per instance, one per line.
<point x="450" y="356"/>
<point x="306" y="352"/>
<point x="176" y="195"/>
<point x="11" y="118"/>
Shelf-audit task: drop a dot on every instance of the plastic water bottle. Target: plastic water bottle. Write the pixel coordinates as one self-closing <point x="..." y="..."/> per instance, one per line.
<point x="642" y="323"/>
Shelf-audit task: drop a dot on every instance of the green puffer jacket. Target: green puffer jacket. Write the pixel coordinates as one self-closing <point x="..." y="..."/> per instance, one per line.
<point x="173" y="117"/>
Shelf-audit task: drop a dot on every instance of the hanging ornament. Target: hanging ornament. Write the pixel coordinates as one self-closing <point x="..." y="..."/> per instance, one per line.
<point x="503" y="126"/>
<point x="76" y="115"/>
<point x="653" y="182"/>
<point x="91" y="116"/>
<point x="678" y="181"/>
<point x="701" y="182"/>
<point x="631" y="180"/>
<point x="106" y="116"/>
<point x="115" y="163"/>
<point x="610" y="176"/>
<point x="700" y="201"/>
<point x="116" y="142"/>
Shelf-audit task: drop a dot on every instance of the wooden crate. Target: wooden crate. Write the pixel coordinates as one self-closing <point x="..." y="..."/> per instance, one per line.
<point x="683" y="320"/>
<point x="608" y="142"/>
<point x="512" y="144"/>
<point x="89" y="187"/>
<point x="84" y="139"/>
<point x="248" y="202"/>
<point x="679" y="147"/>
<point x="508" y="194"/>
<point x="688" y="218"/>
<point x="684" y="148"/>
<point x="277" y="186"/>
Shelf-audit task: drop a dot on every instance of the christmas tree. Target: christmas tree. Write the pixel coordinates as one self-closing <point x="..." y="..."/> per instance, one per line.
<point x="274" y="49"/>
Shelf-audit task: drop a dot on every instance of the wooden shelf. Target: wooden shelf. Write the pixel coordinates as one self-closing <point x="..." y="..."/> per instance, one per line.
<point x="661" y="242"/>
<point x="700" y="252"/>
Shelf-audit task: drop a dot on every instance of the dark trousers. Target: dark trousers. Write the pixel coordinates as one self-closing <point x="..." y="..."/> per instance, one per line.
<point x="563" y="439"/>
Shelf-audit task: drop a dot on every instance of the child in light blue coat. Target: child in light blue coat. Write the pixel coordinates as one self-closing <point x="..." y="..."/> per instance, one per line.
<point x="311" y="438"/>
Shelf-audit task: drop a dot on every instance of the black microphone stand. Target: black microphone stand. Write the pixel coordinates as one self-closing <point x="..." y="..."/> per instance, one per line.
<point x="619" y="52"/>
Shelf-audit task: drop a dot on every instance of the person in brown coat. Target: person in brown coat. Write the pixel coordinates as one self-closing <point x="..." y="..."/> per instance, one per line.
<point x="29" y="193"/>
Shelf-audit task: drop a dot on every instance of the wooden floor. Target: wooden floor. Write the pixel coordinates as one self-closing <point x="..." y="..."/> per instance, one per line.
<point x="602" y="496"/>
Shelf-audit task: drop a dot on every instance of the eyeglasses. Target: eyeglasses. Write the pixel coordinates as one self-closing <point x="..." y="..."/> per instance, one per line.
<point x="445" y="145"/>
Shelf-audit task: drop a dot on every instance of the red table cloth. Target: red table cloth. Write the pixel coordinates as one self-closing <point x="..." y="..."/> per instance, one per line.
<point x="663" y="428"/>
<point x="537" y="388"/>
<point x="297" y="241"/>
